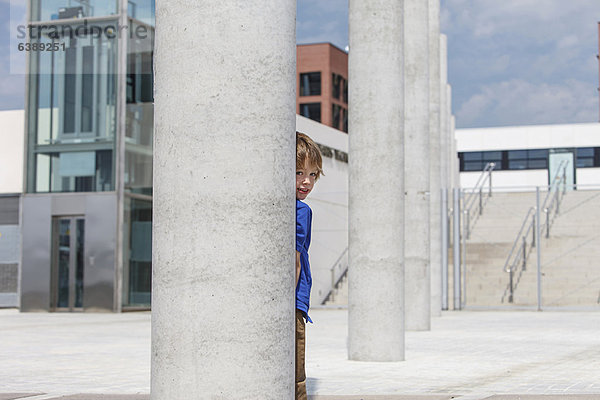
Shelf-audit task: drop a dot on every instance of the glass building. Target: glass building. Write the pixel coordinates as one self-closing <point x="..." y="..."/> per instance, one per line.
<point x="87" y="206"/>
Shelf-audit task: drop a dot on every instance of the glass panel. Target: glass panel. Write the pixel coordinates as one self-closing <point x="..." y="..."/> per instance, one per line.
<point x="87" y="88"/>
<point x="335" y="115"/>
<point x="79" y="266"/>
<point x="142" y="10"/>
<point x="311" y="110"/>
<point x="64" y="252"/>
<point x="346" y="93"/>
<point x="310" y="84"/>
<point x="70" y="86"/>
<point x="42" y="173"/>
<point x="495" y="156"/>
<point x="140" y="114"/>
<point x="75" y="171"/>
<point x="517" y="164"/>
<point x="76" y="85"/>
<point x="517" y="154"/>
<point x="472" y="156"/>
<point x="537" y="164"/>
<point x="336" y="81"/>
<point x="46" y="10"/>
<point x="138" y="254"/>
<point x="538" y="153"/>
<point x="473" y="166"/>
<point x="585" y="162"/>
<point x="585" y="152"/>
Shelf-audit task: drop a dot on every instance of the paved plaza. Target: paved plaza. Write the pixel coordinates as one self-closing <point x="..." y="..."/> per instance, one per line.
<point x="468" y="355"/>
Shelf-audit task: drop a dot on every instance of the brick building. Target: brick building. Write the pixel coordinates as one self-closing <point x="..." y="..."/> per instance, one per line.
<point x="322" y="81"/>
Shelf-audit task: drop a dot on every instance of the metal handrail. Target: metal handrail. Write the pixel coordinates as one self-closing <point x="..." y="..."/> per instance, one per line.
<point x="486" y="175"/>
<point x="553" y="193"/>
<point x="335" y="281"/>
<point x="521" y="253"/>
<point x="506" y="268"/>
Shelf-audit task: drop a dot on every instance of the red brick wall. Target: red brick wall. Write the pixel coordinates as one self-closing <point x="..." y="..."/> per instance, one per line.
<point x="327" y="59"/>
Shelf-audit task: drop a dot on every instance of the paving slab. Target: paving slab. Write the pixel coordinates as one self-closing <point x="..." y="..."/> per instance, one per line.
<point x="468" y="355"/>
<point x="14" y="396"/>
<point x="545" y="397"/>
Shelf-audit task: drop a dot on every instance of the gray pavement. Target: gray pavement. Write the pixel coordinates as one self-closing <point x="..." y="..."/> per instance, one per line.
<point x="500" y="355"/>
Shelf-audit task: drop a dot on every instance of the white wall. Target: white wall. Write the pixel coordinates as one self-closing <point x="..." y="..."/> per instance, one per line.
<point x="329" y="202"/>
<point x="12" y="134"/>
<point x="528" y="137"/>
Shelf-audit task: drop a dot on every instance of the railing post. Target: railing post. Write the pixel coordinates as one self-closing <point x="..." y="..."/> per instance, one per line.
<point x="490" y="180"/>
<point x="538" y="250"/>
<point x="511" y="294"/>
<point x="533" y="229"/>
<point x="467" y="224"/>
<point x="463" y="266"/>
<point x="557" y="202"/>
<point x="456" y="249"/>
<point x="547" y="223"/>
<point x="444" y="247"/>
<point x="332" y="293"/>
<point x="524" y="253"/>
<point x="480" y="201"/>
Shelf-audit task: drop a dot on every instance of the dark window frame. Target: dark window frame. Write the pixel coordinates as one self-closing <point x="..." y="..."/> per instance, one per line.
<point x="309" y="84"/>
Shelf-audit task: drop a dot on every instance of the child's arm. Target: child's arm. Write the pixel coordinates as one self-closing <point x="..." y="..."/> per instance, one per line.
<point x="297" y="266"/>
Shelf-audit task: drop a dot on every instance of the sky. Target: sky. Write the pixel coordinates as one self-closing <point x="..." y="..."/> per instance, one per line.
<point x="510" y="62"/>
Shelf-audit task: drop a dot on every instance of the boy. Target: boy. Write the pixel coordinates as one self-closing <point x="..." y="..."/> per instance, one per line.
<point x="309" y="167"/>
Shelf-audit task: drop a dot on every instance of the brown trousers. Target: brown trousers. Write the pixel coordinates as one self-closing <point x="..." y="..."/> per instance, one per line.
<point x="300" y="345"/>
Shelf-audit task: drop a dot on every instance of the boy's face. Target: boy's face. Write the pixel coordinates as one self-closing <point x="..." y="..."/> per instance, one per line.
<point x="305" y="180"/>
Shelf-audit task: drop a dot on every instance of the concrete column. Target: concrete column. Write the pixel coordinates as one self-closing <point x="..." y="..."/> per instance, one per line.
<point x="444" y="118"/>
<point x="456" y="163"/>
<point x="435" y="237"/>
<point x="450" y="137"/>
<point x="416" y="165"/>
<point x="376" y="184"/>
<point x="223" y="227"/>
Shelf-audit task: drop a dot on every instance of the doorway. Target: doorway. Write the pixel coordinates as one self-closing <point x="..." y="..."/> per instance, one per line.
<point x="559" y="159"/>
<point x="68" y="234"/>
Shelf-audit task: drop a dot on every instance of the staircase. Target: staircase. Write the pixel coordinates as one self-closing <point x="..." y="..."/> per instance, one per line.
<point x="570" y="257"/>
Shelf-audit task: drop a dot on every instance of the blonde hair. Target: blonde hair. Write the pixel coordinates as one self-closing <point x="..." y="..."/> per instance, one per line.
<point x="307" y="149"/>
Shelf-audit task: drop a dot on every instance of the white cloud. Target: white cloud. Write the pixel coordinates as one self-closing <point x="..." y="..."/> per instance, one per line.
<point x="502" y="54"/>
<point x="518" y="102"/>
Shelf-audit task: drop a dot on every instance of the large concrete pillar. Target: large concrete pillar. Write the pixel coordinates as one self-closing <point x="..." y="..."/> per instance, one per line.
<point x="416" y="165"/>
<point x="450" y="137"/>
<point x="444" y="117"/>
<point x="435" y="234"/>
<point x="376" y="184"/>
<point x="223" y="228"/>
<point x="456" y="164"/>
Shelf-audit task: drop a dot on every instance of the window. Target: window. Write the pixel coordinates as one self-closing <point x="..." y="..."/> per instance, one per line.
<point x="585" y="157"/>
<point x="46" y="10"/>
<point x="336" y="86"/>
<point x="310" y="84"/>
<point x="335" y="116"/>
<point x="504" y="159"/>
<point x="346" y="92"/>
<point x="477" y="160"/>
<point x="74" y="171"/>
<point x="528" y="159"/>
<point x="311" y="110"/>
<point x="345" y="127"/>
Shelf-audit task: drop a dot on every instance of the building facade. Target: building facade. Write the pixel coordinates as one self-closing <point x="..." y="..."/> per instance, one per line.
<point x="87" y="202"/>
<point x="526" y="156"/>
<point x="76" y="223"/>
<point x="322" y="84"/>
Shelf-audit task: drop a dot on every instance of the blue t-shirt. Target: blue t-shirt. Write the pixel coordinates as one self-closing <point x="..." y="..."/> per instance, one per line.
<point x="303" y="228"/>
